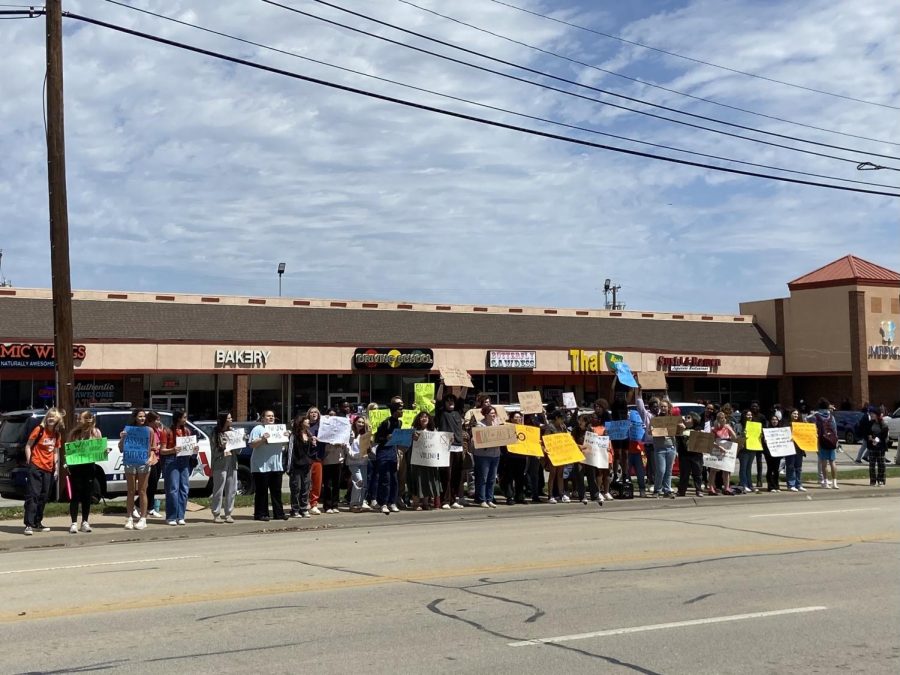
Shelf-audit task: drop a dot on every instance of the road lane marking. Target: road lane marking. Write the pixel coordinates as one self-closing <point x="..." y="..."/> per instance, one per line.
<point x="809" y="513"/>
<point x="98" y="564"/>
<point x="664" y="626"/>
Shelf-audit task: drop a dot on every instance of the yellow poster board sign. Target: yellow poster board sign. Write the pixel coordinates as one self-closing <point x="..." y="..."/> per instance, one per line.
<point x="753" y="436"/>
<point x="805" y="437"/>
<point x="562" y="449"/>
<point x="529" y="441"/>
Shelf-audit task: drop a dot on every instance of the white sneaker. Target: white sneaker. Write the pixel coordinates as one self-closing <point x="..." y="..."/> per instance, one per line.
<point x="129" y="524"/>
<point x="552" y="500"/>
<point x="173" y="523"/>
<point x="484" y="505"/>
<point x="835" y="485"/>
<point x="85" y="527"/>
<point x="393" y="508"/>
<point x="141" y="524"/>
<point x="385" y="509"/>
<point x="793" y="489"/>
<point x="28" y="531"/>
<point x="601" y="497"/>
<point x="373" y="504"/>
<point x="445" y="507"/>
<point x="316" y="511"/>
<point x="154" y="514"/>
<point x="565" y="499"/>
<point x="457" y="505"/>
<point x="608" y="497"/>
<point x="182" y="522"/>
<point x="584" y="501"/>
<point x="801" y="489"/>
<point x="365" y="507"/>
<point x="492" y="505"/>
<point x="135" y="513"/>
<point x="73" y="529"/>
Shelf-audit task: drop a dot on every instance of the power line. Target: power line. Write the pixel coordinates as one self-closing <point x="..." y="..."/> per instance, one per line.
<point x="643" y="82"/>
<point x="689" y="58"/>
<point x="485" y="105"/>
<point x="574" y="83"/>
<point x="459" y="115"/>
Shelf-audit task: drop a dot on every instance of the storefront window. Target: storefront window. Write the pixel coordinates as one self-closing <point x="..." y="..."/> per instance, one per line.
<point x="93" y="392"/>
<point x="343" y="387"/>
<point x="305" y="392"/>
<point x="266" y="394"/>
<point x="201" y="397"/>
<point x="495" y="385"/>
<point x="226" y="393"/>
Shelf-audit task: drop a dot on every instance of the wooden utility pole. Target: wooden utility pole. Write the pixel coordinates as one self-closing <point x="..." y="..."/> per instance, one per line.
<point x="59" y="217"/>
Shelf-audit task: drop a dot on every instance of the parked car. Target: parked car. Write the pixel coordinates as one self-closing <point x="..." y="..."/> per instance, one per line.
<point x="848" y="425"/>
<point x="245" y="477"/>
<point x="893" y="425"/>
<point x="110" y="476"/>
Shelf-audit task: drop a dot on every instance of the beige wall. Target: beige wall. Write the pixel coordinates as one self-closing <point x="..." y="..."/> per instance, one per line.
<point x="817" y="330"/>
<point x="764" y="313"/>
<point x="873" y="326"/>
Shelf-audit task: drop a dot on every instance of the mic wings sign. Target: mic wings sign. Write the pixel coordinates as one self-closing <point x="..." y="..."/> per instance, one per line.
<point x="29" y="355"/>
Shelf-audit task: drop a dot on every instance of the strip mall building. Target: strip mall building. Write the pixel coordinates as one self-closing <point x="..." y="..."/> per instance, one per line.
<point x="832" y="336"/>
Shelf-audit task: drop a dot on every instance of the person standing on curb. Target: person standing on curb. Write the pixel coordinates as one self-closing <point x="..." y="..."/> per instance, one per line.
<point x="43" y="444"/>
<point x="358" y="463"/>
<point x="177" y="472"/>
<point x="826" y="433"/>
<point x="137" y="475"/>
<point x="793" y="464"/>
<point x="876" y="440"/>
<point x="267" y="469"/>
<point x="448" y="419"/>
<point x="81" y="476"/>
<point x="301" y="448"/>
<point x="224" y="471"/>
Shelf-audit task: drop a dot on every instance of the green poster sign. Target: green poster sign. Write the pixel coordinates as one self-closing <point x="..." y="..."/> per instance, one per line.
<point x="86" y="452"/>
<point x="425" y="396"/>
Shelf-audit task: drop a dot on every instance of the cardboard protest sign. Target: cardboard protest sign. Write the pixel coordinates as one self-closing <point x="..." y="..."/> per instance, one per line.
<point x="365" y="442"/>
<point x="596" y="450"/>
<point x="187" y="446"/>
<point x="653" y="380"/>
<point x="334" y="430"/>
<point x="456" y="377"/>
<point x="425" y="396"/>
<point x="722" y="457"/>
<point x="136" y="446"/>
<point x="779" y="442"/>
<point x="235" y="439"/>
<point x="562" y="449"/>
<point x="277" y="433"/>
<point x="431" y="448"/>
<point x="492" y="437"/>
<point x="530" y="402"/>
<point x="664" y="425"/>
<point x="569" y="402"/>
<point x="401" y="438"/>
<point x="529" y="441"/>
<point x="376" y="417"/>
<point x="701" y="441"/>
<point x="624" y="375"/>
<point x="753" y="436"/>
<point x="86" y="452"/>
<point x="804" y="434"/>
<point x="617" y="430"/>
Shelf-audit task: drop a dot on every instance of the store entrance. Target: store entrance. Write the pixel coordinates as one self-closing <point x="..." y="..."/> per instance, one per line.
<point x="334" y="399"/>
<point x="168" y="402"/>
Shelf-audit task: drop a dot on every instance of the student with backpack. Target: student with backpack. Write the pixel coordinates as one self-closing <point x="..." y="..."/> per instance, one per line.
<point x="826" y="432"/>
<point x="40" y="457"/>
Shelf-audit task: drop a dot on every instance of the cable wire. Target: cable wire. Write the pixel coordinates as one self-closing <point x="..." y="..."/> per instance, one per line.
<point x="643" y="82"/>
<point x="459" y="115"/>
<point x="574" y="83"/>
<point x="689" y="58"/>
<point x="488" y="106"/>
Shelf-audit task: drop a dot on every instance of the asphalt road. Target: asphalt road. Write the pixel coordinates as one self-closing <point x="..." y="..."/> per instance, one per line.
<point x="745" y="586"/>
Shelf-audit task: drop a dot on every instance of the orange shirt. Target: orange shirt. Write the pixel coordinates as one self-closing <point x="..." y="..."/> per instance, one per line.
<point x="43" y="452"/>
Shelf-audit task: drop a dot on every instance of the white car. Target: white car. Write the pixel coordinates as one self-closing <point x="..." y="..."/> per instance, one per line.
<point x="893" y="425"/>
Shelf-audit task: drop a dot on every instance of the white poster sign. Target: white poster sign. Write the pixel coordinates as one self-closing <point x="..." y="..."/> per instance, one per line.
<point x="596" y="450"/>
<point x="569" y="402"/>
<point x="187" y="446"/>
<point x="431" y="448"/>
<point x="277" y="433"/>
<point x="722" y="457"/>
<point x="779" y="442"/>
<point x="334" y="430"/>
<point x="235" y="439"/>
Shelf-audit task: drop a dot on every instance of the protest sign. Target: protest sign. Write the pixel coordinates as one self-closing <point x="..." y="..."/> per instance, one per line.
<point x="624" y="374"/>
<point x="492" y="437"/>
<point x="424" y="396"/>
<point x="187" y="446"/>
<point x="722" y="456"/>
<point x="530" y="402"/>
<point x="617" y="430"/>
<point x="596" y="450"/>
<point x="664" y="425"/>
<point x="235" y="439"/>
<point x="136" y="446"/>
<point x="277" y="433"/>
<point x="365" y="442"/>
<point x="407" y="419"/>
<point x="569" y="402"/>
<point x="431" y="448"/>
<point x="636" y="431"/>
<point x="377" y="416"/>
<point x="779" y="442"/>
<point x="529" y="441"/>
<point x="334" y="430"/>
<point x="456" y="377"/>
<point x="804" y="434"/>
<point x="653" y="380"/>
<point x="562" y="449"/>
<point x="86" y="452"/>
<point x="753" y="436"/>
<point x="701" y="441"/>
<point x="401" y="438"/>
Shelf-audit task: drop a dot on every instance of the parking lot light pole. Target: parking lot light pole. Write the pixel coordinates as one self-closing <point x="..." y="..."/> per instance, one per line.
<point x="280" y="274"/>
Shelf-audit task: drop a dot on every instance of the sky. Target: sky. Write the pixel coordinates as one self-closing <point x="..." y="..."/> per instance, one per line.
<point x="189" y="174"/>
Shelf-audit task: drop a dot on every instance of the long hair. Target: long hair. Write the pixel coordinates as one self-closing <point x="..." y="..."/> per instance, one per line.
<point x="222" y="420"/>
<point x="134" y="415"/>
<point x="429" y="421"/>
<point x="84" y="428"/>
<point x="58" y="415"/>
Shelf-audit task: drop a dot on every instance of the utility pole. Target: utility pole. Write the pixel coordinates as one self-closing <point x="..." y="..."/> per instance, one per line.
<point x="59" y="218"/>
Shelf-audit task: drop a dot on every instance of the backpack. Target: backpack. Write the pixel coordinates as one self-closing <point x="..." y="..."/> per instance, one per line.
<point x="825" y="427"/>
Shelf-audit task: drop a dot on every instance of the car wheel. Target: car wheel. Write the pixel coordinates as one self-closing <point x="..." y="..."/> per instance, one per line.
<point x="245" y="481"/>
<point x="850" y="438"/>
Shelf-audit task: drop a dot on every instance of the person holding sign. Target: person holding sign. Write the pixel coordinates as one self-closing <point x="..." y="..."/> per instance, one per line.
<point x="793" y="464"/>
<point x="690" y="464"/>
<point x="265" y="463"/>
<point x="81" y="476"/>
<point x="332" y="463"/>
<point x="583" y="470"/>
<point x="486" y="462"/>
<point x="358" y="464"/>
<point x="424" y="481"/>
<point x="301" y="450"/>
<point x="177" y="469"/>
<point x="40" y="457"/>
<point x="664" y="445"/>
<point x="386" y="483"/>
<point x="750" y="449"/>
<point x="315" y="468"/>
<point x="556" y="481"/>
<point x="138" y="446"/>
<point x="772" y="463"/>
<point x="224" y="452"/>
<point x="512" y="469"/>
<point x="723" y="432"/>
<point x="164" y="439"/>
<point x="449" y="420"/>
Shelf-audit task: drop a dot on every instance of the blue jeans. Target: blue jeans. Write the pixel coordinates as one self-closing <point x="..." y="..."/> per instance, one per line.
<point x="485" y="477"/>
<point x="634" y="460"/>
<point x="794" y="470"/>
<point x="386" y="483"/>
<point x="665" y="459"/>
<point x="176" y="473"/>
<point x="359" y="474"/>
<point x="745" y="471"/>
<point x="862" y="454"/>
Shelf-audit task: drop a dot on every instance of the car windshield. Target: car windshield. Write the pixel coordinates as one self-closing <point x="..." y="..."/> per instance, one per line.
<point x="15" y="430"/>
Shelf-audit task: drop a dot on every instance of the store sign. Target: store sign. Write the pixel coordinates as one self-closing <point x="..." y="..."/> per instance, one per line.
<point x="884" y="352"/>
<point x="581" y="361"/>
<point x="95" y="392"/>
<point x="384" y="358"/>
<point x="507" y="359"/>
<point x="242" y="358"/>
<point x="687" y="364"/>
<point x="30" y="355"/>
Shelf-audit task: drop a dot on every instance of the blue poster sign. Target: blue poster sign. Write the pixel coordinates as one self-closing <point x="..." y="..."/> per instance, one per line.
<point x="402" y="438"/>
<point x="626" y="377"/>
<point x="617" y="430"/>
<point x="136" y="446"/>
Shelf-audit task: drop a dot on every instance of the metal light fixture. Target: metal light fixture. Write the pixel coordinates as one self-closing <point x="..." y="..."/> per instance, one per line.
<point x="280" y="274"/>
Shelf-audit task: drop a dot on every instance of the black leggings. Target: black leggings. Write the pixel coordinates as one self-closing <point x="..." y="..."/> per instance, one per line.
<point x="331" y="486"/>
<point x="772" y="466"/>
<point x="81" y="478"/>
<point x="876" y="464"/>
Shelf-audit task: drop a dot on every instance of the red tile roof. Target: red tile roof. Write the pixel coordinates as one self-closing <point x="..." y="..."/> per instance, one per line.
<point x="847" y="271"/>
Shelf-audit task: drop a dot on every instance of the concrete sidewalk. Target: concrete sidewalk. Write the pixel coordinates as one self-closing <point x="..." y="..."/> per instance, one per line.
<point x="110" y="529"/>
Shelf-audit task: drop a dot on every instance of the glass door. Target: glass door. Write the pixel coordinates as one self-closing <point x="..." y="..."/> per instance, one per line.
<point x="168" y="402"/>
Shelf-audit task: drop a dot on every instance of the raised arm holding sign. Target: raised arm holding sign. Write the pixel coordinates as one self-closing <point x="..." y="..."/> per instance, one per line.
<point x="530" y="402"/>
<point x="334" y="430"/>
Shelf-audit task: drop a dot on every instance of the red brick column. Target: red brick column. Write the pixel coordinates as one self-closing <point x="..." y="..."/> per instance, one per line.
<point x="859" y="366"/>
<point x="241" y="397"/>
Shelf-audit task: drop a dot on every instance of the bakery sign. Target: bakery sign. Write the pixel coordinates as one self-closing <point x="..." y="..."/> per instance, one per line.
<point x="31" y="355"/>
<point x="687" y="364"/>
<point x="242" y="358"/>
<point x="511" y="359"/>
